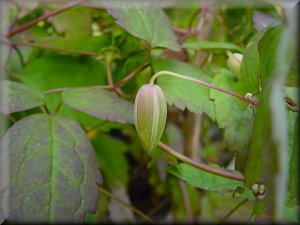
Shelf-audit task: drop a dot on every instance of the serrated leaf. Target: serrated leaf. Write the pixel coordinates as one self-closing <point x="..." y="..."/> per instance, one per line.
<point x="111" y="156"/>
<point x="143" y="20"/>
<point x="16" y="97"/>
<point x="211" y="46"/>
<point x="53" y="170"/>
<point x="229" y="116"/>
<point x="203" y="179"/>
<point x="182" y="93"/>
<point x="99" y="103"/>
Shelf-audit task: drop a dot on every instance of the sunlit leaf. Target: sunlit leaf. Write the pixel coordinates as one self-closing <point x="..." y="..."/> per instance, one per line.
<point x="53" y="170"/>
<point x="99" y="103"/>
<point x="211" y="46"/>
<point x="143" y="20"/>
<point x="16" y="97"/>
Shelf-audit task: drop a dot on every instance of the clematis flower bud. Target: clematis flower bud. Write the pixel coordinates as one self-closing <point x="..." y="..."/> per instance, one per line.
<point x="150" y="114"/>
<point x="234" y="64"/>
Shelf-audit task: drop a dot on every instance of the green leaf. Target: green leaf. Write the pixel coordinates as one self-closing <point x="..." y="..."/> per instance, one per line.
<point x="268" y="151"/>
<point x="53" y="170"/>
<point x="182" y="93"/>
<point x="211" y="46"/>
<point x="99" y="103"/>
<point x="112" y="160"/>
<point x="267" y="48"/>
<point x="52" y="71"/>
<point x="143" y="20"/>
<point x="229" y="116"/>
<point x="16" y="97"/>
<point x="203" y="179"/>
<point x="250" y="67"/>
<point x="74" y="28"/>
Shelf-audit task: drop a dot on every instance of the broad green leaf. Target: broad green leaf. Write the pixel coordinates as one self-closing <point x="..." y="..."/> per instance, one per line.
<point x="211" y="46"/>
<point x="250" y="69"/>
<point x="203" y="179"/>
<point x="53" y="170"/>
<point x="182" y="93"/>
<point x="143" y="20"/>
<point x="228" y="115"/>
<point x="99" y="103"/>
<point x="16" y="97"/>
<point x="51" y="71"/>
<point x="268" y="151"/>
<point x="267" y="47"/>
<point x="112" y="160"/>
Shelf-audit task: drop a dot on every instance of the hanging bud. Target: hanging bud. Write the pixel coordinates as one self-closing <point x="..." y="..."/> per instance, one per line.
<point x="234" y="63"/>
<point x="150" y="114"/>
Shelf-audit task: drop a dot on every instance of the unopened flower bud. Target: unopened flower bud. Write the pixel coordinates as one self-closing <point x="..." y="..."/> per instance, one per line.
<point x="150" y="114"/>
<point x="234" y="64"/>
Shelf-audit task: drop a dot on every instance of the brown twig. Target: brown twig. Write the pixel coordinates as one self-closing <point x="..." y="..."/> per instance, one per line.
<point x="43" y="17"/>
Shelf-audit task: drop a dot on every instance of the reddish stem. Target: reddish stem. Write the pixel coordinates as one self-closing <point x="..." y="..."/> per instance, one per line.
<point x="43" y="17"/>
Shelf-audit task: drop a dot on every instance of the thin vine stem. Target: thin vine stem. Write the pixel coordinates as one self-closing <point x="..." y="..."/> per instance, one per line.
<point x="169" y="73"/>
<point x="198" y="165"/>
<point x="125" y="204"/>
<point x="43" y="17"/>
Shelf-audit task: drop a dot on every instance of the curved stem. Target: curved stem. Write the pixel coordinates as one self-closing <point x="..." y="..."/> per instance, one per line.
<point x="125" y="204"/>
<point x="198" y="165"/>
<point x="169" y="73"/>
<point x="43" y="17"/>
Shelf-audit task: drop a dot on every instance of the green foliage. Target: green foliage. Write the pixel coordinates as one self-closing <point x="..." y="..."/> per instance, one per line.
<point x="184" y="94"/>
<point x="111" y="156"/>
<point x="203" y="179"/>
<point x="82" y="68"/>
<point x="211" y="46"/>
<point x="228" y="114"/>
<point x="143" y="21"/>
<point x="100" y="103"/>
<point x="50" y="159"/>
<point x="17" y="97"/>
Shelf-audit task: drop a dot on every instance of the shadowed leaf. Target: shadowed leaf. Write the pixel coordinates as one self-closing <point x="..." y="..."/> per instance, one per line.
<point x="16" y="97"/>
<point x="53" y="170"/>
<point x="99" y="103"/>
